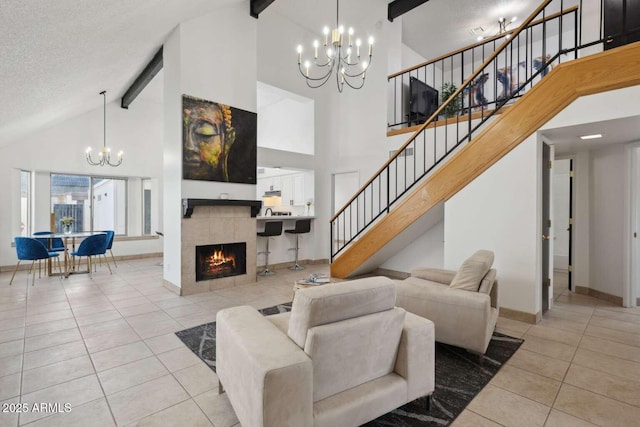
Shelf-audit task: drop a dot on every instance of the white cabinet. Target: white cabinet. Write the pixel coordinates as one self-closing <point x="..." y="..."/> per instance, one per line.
<point x="287" y="190"/>
<point x="296" y="189"/>
<point x="292" y="187"/>
<point x="273" y="183"/>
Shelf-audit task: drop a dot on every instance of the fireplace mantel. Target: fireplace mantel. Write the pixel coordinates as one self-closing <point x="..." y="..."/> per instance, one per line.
<point x="189" y="204"/>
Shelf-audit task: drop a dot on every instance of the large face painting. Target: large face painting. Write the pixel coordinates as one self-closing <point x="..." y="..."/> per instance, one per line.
<point x="218" y="142"/>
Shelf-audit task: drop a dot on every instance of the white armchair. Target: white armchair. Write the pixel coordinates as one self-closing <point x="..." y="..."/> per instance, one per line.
<point x="343" y="356"/>
<point x="463" y="305"/>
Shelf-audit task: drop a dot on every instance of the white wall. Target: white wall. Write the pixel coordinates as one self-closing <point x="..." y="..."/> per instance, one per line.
<point x="212" y="70"/>
<point x="285" y="120"/>
<point x="607" y="202"/>
<point x="350" y="128"/>
<point x="498" y="211"/>
<point x="60" y="148"/>
<point x="425" y="251"/>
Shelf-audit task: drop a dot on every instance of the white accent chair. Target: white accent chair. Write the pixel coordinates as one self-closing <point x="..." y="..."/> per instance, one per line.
<point x="343" y="356"/>
<point x="463" y="305"/>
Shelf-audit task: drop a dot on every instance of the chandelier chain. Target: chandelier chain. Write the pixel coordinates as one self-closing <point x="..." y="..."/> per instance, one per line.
<point x="104" y="156"/>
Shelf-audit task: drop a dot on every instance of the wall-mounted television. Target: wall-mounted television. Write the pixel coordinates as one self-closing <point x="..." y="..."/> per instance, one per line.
<point x="423" y="101"/>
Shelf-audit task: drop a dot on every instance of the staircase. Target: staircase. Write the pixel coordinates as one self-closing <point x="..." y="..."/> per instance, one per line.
<point x="446" y="159"/>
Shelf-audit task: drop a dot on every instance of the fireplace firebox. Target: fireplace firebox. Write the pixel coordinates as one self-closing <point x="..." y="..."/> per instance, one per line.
<point x="220" y="260"/>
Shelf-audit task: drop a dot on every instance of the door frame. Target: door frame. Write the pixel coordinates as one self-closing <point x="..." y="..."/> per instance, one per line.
<point x="546" y="234"/>
<point x="631" y="283"/>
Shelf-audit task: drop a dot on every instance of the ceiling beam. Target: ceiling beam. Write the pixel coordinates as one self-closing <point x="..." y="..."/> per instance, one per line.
<point x="400" y="7"/>
<point x="257" y="6"/>
<point x="142" y="80"/>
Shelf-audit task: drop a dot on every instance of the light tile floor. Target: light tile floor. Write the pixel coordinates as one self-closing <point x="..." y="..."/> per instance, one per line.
<point x="106" y="346"/>
<point x="579" y="367"/>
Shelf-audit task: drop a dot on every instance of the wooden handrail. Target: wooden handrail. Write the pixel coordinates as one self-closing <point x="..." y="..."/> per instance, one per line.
<point x="458" y="91"/>
<point x="480" y="43"/>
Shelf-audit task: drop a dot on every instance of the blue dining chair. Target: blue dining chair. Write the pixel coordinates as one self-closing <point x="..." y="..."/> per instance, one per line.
<point x="57" y="245"/>
<point x="91" y="246"/>
<point x="30" y="249"/>
<point x="110" y="235"/>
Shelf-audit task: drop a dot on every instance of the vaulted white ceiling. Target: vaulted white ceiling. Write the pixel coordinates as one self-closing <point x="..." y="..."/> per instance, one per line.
<point x="56" y="56"/>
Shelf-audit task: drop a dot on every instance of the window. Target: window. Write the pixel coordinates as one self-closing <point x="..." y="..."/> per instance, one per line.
<point x="96" y="203"/>
<point x="25" y="203"/>
<point x="146" y="206"/>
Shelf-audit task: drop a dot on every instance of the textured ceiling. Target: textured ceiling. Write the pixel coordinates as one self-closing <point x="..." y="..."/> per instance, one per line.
<point x="440" y="26"/>
<point x="56" y="56"/>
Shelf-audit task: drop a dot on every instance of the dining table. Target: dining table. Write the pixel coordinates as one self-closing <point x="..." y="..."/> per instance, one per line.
<point x="69" y="240"/>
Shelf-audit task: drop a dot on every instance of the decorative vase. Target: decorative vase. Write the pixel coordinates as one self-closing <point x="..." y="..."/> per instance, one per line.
<point x="67" y="229"/>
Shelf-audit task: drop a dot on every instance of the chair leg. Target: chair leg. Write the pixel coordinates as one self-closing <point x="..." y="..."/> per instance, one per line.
<point x="33" y="276"/>
<point x="296" y="266"/>
<point x="14" y="272"/>
<point x="113" y="258"/>
<point x="107" y="261"/>
<point x="266" y="271"/>
<point x="429" y="402"/>
<point x="89" y="266"/>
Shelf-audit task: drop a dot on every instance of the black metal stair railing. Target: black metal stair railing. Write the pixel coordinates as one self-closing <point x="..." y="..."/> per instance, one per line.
<point x="515" y="66"/>
<point x="415" y="92"/>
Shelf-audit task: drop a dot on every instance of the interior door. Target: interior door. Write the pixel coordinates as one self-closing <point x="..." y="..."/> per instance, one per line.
<point x="546" y="225"/>
<point x="621" y="22"/>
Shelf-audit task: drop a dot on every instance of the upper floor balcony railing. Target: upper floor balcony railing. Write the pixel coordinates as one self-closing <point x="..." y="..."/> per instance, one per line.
<point x="416" y="92"/>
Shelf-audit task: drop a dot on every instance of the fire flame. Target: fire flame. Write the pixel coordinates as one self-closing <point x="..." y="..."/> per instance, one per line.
<point x="219" y="261"/>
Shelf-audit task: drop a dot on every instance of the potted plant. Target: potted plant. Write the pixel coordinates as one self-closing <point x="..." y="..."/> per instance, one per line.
<point x="67" y="222"/>
<point x="455" y="105"/>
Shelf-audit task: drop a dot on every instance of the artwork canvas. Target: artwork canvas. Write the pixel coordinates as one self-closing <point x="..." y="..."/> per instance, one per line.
<point x="219" y="142"/>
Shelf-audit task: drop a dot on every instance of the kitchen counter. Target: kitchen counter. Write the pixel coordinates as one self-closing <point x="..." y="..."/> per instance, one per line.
<point x="282" y="217"/>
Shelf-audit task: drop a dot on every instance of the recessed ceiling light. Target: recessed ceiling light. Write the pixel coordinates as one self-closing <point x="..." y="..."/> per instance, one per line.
<point x="594" y="136"/>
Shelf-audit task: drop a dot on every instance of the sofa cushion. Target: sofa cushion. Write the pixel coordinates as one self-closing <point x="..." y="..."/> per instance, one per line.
<point x="352" y="352"/>
<point x="487" y="282"/>
<point x="472" y="271"/>
<point x="331" y="303"/>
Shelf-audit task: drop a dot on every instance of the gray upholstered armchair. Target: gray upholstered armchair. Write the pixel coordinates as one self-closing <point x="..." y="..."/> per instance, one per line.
<point x="343" y="356"/>
<point x="462" y="304"/>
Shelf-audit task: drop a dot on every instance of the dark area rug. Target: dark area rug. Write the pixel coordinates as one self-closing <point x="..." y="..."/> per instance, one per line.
<point x="460" y="375"/>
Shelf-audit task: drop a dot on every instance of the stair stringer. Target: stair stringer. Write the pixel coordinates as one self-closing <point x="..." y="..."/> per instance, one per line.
<point x="614" y="69"/>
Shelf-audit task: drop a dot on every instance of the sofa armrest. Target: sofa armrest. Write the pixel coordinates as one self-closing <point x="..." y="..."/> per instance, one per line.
<point x="462" y="318"/>
<point x="268" y="378"/>
<point x="438" y="275"/>
<point x="494" y="295"/>
<point x="415" y="361"/>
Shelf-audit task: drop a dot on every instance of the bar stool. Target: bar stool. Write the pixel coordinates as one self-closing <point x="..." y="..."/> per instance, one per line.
<point x="271" y="228"/>
<point x="302" y="226"/>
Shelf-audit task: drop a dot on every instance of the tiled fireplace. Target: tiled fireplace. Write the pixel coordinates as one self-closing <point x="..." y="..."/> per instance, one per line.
<point x="226" y="236"/>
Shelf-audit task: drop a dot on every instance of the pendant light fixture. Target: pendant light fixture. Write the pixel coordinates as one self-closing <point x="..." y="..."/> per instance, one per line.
<point x="339" y="55"/>
<point x="104" y="156"/>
